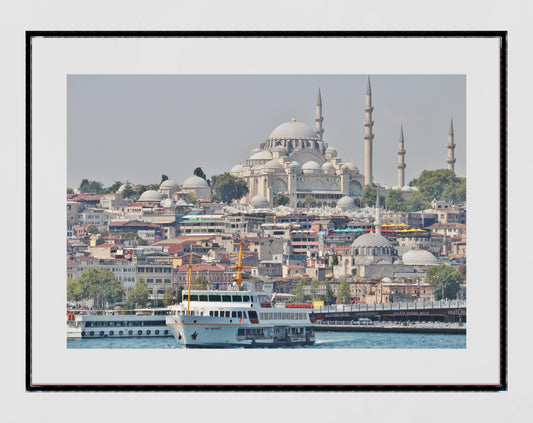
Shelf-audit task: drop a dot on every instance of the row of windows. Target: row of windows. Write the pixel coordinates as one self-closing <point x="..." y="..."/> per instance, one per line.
<point x="154" y="270"/>
<point x="220" y="298"/>
<point x="226" y="313"/>
<point x="283" y="316"/>
<point x="125" y="323"/>
<point x="158" y="280"/>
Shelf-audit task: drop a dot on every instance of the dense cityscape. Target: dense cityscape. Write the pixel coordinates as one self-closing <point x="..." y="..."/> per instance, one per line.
<point x="317" y="228"/>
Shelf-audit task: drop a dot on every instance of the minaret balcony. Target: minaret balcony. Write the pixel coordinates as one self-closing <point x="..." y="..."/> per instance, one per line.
<point x="369" y="123"/>
<point x="369" y="109"/>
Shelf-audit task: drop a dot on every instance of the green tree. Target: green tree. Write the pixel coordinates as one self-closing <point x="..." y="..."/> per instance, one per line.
<point x="113" y="188"/>
<point x="200" y="173"/>
<point x="129" y="192"/>
<point x="299" y="290"/>
<point x="395" y="202"/>
<point x="370" y="195"/>
<point x="446" y="281"/>
<point x="227" y="188"/>
<point x="70" y="191"/>
<point x="441" y="184"/>
<point x="179" y="293"/>
<point x="138" y="295"/>
<point x="91" y="229"/>
<point x="168" y="296"/>
<point x="100" y="285"/>
<point x="163" y="178"/>
<point x="334" y="260"/>
<point x="417" y="202"/>
<point x="344" y="295"/>
<point x="280" y="199"/>
<point x="199" y="283"/>
<point x="309" y="201"/>
<point x="91" y="186"/>
<point x="74" y="290"/>
<point x="191" y="198"/>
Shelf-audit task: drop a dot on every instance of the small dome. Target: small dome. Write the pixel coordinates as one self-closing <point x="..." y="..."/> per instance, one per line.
<point x="371" y="239"/>
<point x="259" y="202"/>
<point x="293" y="130"/>
<point x="261" y="155"/>
<point x="396" y="188"/>
<point x="181" y="202"/>
<point x="386" y="187"/>
<point x="296" y="164"/>
<point x="407" y="189"/>
<point x="257" y="167"/>
<point x="414" y="188"/>
<point x="236" y="169"/>
<point x="167" y="202"/>
<point x="386" y="280"/>
<point x="255" y="150"/>
<point x="123" y="187"/>
<point x="195" y="182"/>
<point x="272" y="164"/>
<point x="327" y="166"/>
<point x="151" y="196"/>
<point x="331" y="150"/>
<point x="169" y="184"/>
<point x="311" y="165"/>
<point x="419" y="258"/>
<point x="346" y="203"/>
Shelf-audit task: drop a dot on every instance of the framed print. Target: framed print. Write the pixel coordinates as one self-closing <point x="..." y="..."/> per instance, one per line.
<point x="338" y="139"/>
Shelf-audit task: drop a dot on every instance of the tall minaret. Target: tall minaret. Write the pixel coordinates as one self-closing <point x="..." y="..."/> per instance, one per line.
<point x="451" y="148"/>
<point x="401" y="160"/>
<point x="368" y="134"/>
<point x="319" y="118"/>
<point x="378" y="214"/>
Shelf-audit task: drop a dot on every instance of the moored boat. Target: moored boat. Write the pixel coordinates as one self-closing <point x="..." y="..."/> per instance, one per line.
<point x="142" y="323"/>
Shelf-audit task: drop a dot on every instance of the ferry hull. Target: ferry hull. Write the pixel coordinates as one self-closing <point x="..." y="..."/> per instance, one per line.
<point x="204" y="332"/>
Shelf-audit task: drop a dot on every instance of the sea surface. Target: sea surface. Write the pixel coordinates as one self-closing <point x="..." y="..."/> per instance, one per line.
<point x="354" y="340"/>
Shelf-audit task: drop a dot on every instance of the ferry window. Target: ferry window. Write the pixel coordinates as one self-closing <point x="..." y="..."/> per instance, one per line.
<point x="246" y="298"/>
<point x="194" y="297"/>
<point x="211" y="313"/>
<point x="216" y="313"/>
<point x="203" y="297"/>
<point x="226" y="298"/>
<point x="185" y="297"/>
<point x="214" y="298"/>
<point x="252" y="298"/>
<point x="237" y="299"/>
<point x="240" y="332"/>
<point x="239" y="314"/>
<point x="233" y="314"/>
<point x="227" y="313"/>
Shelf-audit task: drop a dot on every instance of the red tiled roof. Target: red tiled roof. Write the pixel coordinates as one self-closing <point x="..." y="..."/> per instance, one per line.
<point x="202" y="267"/>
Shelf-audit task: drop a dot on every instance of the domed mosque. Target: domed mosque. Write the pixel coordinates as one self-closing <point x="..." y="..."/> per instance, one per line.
<point x="295" y="161"/>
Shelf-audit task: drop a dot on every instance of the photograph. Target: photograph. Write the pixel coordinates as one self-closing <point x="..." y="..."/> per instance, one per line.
<point x="330" y="208"/>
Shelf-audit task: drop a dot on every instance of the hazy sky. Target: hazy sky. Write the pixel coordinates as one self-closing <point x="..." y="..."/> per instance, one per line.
<point x="138" y="127"/>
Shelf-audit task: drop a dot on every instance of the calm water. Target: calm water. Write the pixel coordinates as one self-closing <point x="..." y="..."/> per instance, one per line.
<point x="355" y="340"/>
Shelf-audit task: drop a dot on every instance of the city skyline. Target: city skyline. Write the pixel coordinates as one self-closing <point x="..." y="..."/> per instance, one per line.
<point x="138" y="127"/>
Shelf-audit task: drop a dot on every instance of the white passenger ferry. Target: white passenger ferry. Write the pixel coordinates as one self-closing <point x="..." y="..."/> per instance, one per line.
<point x="220" y="319"/>
<point x="143" y="323"/>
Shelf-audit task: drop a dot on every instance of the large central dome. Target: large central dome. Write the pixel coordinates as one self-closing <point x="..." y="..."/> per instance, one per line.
<point x="293" y="130"/>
